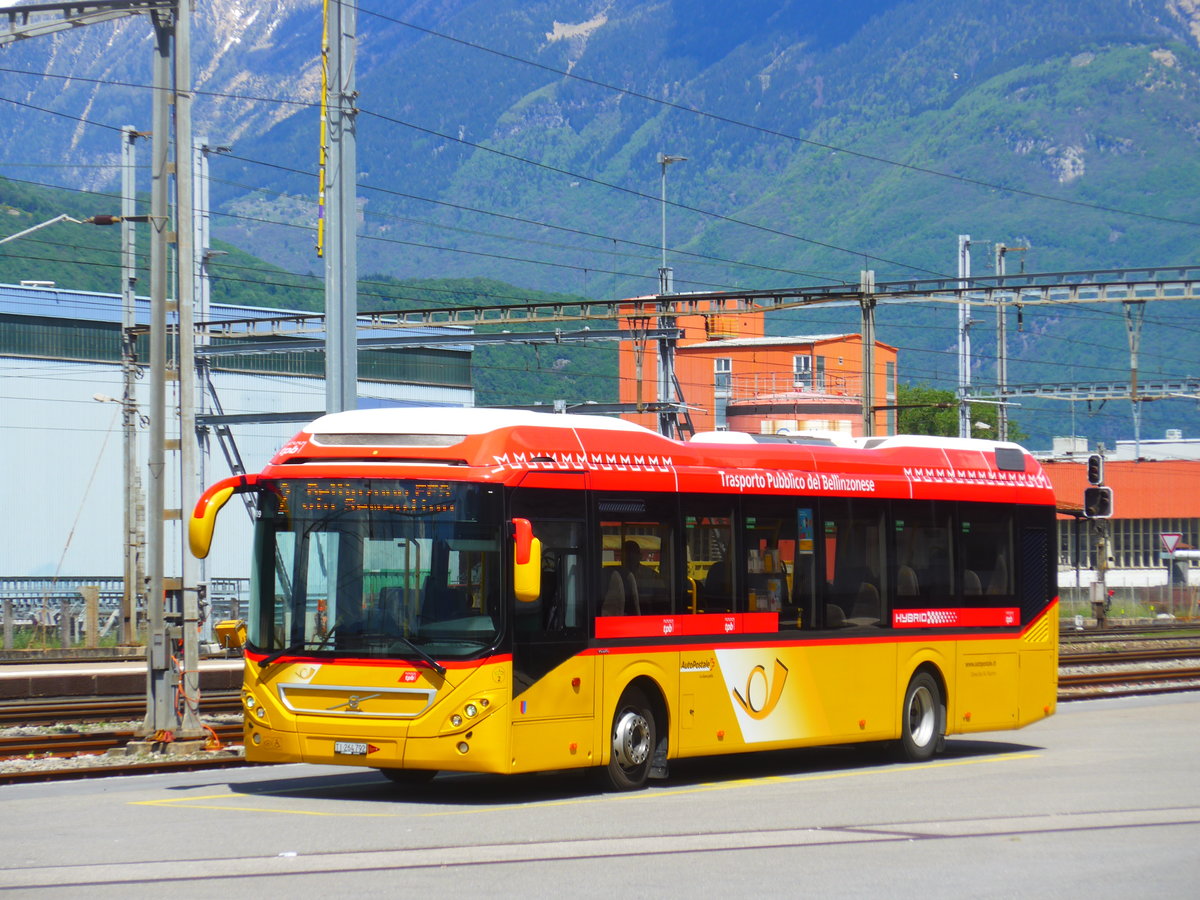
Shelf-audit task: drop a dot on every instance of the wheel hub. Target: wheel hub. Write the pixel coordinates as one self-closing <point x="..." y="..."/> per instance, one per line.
<point x="631" y="740"/>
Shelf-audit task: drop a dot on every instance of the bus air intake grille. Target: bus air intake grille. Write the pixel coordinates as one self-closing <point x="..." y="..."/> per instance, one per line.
<point x="356" y="701"/>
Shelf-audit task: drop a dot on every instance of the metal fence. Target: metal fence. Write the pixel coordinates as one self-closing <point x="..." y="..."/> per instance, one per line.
<point x="1145" y="602"/>
<point x="55" y="612"/>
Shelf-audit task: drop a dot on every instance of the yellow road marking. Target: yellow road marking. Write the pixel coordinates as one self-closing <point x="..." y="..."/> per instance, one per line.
<point x="665" y="794"/>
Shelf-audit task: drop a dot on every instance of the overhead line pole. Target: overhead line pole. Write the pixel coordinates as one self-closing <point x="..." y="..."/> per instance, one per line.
<point x="867" y="304"/>
<point x="1001" y="351"/>
<point x="190" y="589"/>
<point x="341" y="262"/>
<point x="964" y="337"/>
<point x="1134" y="313"/>
<point x="160" y="709"/>
<point x="668" y="417"/>
<point x="134" y="524"/>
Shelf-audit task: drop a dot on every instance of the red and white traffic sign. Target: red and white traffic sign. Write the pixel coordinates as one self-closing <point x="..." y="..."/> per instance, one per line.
<point x="1170" y="540"/>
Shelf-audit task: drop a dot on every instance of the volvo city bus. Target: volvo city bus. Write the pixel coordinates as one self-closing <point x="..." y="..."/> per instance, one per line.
<point x="503" y="591"/>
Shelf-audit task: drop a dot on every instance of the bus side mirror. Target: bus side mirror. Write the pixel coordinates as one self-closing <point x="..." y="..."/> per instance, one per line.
<point x="527" y="562"/>
<point x="204" y="517"/>
<point x="231" y="634"/>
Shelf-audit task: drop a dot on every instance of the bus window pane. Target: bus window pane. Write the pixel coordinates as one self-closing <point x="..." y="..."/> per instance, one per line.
<point x="779" y="573"/>
<point x="710" y="564"/>
<point x="924" y="558"/>
<point x="637" y="568"/>
<point x="855" y="571"/>
<point x="986" y="541"/>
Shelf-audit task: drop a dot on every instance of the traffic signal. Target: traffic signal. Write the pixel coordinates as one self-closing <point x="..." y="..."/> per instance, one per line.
<point x="1098" y="502"/>
<point x="1095" y="469"/>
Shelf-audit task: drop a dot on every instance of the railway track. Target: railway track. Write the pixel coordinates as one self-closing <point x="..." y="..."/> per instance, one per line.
<point x="104" y="709"/>
<point x="64" y="745"/>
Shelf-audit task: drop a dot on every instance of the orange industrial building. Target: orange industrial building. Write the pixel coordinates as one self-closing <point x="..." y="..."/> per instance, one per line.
<point x="732" y="376"/>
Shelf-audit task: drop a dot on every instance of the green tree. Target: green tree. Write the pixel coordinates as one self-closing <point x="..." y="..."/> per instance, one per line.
<point x="929" y="410"/>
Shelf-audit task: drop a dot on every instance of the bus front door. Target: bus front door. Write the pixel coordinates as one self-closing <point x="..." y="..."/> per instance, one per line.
<point x="553" y="688"/>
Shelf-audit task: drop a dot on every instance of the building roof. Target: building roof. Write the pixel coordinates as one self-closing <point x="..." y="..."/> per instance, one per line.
<point x="56" y="303"/>
<point x="793" y="340"/>
<point x="1151" y="489"/>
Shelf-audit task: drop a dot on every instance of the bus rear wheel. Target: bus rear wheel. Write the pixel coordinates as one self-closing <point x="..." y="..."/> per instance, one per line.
<point x="923" y="718"/>
<point x="634" y="736"/>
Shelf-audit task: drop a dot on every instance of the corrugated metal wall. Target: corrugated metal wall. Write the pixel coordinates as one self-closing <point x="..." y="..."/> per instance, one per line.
<point x="61" y="482"/>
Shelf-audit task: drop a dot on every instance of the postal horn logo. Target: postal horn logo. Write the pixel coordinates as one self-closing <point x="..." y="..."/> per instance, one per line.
<point x="761" y="693"/>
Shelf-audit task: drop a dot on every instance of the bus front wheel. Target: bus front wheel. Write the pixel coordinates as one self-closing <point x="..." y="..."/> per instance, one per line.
<point x="634" y="735"/>
<point x="923" y="718"/>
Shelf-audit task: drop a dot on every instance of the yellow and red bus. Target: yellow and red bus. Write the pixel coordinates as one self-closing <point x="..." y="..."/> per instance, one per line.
<point x="504" y="591"/>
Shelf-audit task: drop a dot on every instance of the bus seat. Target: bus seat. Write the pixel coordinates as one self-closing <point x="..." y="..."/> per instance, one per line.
<point x="866" y="605"/>
<point x="906" y="582"/>
<point x="614" y="595"/>
<point x="972" y="586"/>
<point x="999" y="580"/>
<point x="834" y="617"/>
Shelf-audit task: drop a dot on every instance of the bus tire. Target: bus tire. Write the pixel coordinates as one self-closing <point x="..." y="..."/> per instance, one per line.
<point x="408" y="777"/>
<point x="634" y="736"/>
<point x="922" y="719"/>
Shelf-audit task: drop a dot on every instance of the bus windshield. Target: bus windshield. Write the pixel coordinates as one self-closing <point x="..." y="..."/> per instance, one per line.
<point x="376" y="568"/>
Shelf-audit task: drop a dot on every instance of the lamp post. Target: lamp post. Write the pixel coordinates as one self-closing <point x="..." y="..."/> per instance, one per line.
<point x="664" y="273"/>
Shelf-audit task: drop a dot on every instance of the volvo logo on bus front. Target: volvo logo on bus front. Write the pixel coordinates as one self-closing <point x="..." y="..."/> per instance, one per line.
<point x="352" y="703"/>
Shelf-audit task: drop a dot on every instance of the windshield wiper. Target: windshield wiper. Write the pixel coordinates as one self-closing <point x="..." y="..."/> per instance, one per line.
<point x="274" y="655"/>
<point x="421" y="654"/>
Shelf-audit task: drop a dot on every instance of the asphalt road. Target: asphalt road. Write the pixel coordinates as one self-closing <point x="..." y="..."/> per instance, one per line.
<point x="1103" y="800"/>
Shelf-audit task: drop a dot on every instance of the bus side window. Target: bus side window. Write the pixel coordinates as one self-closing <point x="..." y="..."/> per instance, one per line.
<point x="924" y="553"/>
<point x="985" y="542"/>
<point x="779" y="561"/>
<point x="708" y="536"/>
<point x="856" y="581"/>
<point x="636" y="576"/>
<point x="559" y="610"/>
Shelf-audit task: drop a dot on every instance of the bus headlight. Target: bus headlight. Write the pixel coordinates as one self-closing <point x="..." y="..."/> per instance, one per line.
<point x="456" y="720"/>
<point x="471" y="710"/>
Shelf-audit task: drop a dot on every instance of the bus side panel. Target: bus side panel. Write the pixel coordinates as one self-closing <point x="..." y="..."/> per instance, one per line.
<point x="615" y="671"/>
<point x="985" y="698"/>
<point x="734" y="698"/>
<point x="1008" y="682"/>
<point x="553" y="720"/>
<point x="1039" y="669"/>
<point x="848" y="692"/>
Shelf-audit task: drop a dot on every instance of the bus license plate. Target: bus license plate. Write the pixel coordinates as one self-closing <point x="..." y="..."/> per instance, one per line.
<point x="349" y="748"/>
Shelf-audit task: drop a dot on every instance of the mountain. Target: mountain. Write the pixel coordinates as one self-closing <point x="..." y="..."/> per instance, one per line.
<point x="820" y="139"/>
